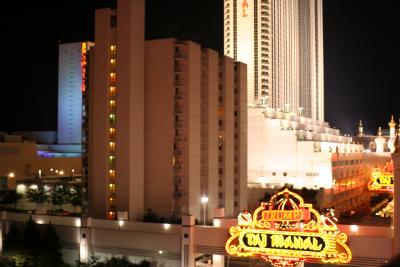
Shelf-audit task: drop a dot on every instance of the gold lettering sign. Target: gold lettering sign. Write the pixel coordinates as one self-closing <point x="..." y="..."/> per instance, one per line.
<point x="282" y="215"/>
<point x="286" y="231"/>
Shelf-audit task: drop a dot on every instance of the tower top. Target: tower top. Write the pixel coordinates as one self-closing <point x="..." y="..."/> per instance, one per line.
<point x="392" y="123"/>
<point x="360" y="129"/>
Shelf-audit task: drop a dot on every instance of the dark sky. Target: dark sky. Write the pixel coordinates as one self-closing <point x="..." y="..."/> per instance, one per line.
<point x="362" y="54"/>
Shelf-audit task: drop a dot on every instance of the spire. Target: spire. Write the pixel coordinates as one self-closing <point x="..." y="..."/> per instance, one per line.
<point x="397" y="144"/>
<point x="392" y="123"/>
<point x="399" y="127"/>
<point x="379" y="131"/>
<point x="360" y="129"/>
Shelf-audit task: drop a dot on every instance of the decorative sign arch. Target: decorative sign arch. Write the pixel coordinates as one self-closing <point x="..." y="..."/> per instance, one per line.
<point x="286" y="231"/>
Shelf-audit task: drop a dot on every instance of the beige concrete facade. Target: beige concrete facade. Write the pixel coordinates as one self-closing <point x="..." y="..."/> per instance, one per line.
<point x="190" y="130"/>
<point x="166" y="119"/>
<point x="116" y="166"/>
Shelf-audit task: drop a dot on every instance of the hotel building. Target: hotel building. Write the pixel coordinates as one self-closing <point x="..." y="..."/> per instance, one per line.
<point x="167" y="123"/>
<point x="282" y="44"/>
<point x="71" y="83"/>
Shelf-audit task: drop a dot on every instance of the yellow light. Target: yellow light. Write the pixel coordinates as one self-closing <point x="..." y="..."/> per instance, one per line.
<point x="111" y="187"/>
<point x="166" y="226"/>
<point x="11" y="175"/>
<point x="111" y="146"/>
<point x="354" y="228"/>
<point x="112" y="90"/>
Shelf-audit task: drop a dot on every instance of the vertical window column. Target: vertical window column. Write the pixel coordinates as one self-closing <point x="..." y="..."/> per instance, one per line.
<point x="111" y="208"/>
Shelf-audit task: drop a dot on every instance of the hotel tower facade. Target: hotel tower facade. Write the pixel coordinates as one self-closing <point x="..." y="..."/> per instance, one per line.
<point x="281" y="41"/>
<point x="167" y="124"/>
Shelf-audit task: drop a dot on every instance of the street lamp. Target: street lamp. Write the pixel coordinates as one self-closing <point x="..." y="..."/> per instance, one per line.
<point x="204" y="201"/>
<point x="11" y="182"/>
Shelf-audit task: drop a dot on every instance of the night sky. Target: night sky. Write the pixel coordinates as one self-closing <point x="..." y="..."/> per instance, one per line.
<point x="362" y="54"/>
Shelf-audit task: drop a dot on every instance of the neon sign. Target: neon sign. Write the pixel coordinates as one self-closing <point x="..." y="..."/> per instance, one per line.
<point x="83" y="66"/>
<point x="286" y="231"/>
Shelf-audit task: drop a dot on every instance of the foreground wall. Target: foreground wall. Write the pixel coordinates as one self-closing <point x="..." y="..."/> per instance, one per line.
<point x="164" y="243"/>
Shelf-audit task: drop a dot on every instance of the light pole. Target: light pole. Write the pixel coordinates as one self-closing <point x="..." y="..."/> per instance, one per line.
<point x="11" y="180"/>
<point x="204" y="201"/>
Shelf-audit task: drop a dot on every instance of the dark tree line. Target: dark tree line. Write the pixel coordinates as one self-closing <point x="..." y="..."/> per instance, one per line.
<point x="32" y="247"/>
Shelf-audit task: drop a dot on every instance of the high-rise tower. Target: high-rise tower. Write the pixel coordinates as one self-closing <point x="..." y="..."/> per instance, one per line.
<point x="281" y="42"/>
<point x="71" y="77"/>
<point x="116" y="131"/>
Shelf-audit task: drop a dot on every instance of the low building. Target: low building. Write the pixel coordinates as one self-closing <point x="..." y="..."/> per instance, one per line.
<point x="25" y="159"/>
<point x="285" y="148"/>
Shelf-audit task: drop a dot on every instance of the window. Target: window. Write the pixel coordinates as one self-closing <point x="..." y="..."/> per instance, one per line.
<point x="113" y="49"/>
<point x="111" y="187"/>
<point x="285" y="174"/>
<point x="113" y="21"/>
<point x="112" y="118"/>
<point x="112" y="91"/>
<point x="111" y="146"/>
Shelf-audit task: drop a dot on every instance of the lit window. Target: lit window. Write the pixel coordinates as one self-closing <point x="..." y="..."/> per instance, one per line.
<point x="112" y="161"/>
<point x="112" y="118"/>
<point x="113" y="77"/>
<point x="111" y="215"/>
<point x="112" y="105"/>
<point x="112" y="90"/>
<point x="111" y="187"/>
<point x="113" y="49"/>
<point x="112" y="62"/>
<point x="112" y="132"/>
<point x="111" y="174"/>
<point x="111" y="146"/>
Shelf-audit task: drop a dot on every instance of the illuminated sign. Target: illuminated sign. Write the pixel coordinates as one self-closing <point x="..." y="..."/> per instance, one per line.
<point x="381" y="181"/>
<point x="83" y="66"/>
<point x="286" y="231"/>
